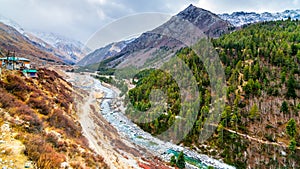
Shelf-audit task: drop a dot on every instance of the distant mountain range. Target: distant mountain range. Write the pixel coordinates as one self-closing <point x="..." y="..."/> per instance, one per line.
<point x="104" y="53"/>
<point x="74" y="50"/>
<point x="211" y="24"/>
<point x="243" y="18"/>
<point x="68" y="50"/>
<point x="71" y="51"/>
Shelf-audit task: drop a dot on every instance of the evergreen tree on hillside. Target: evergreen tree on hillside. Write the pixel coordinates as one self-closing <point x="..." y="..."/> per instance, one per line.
<point x="291" y="128"/>
<point x="291" y="84"/>
<point x="284" y="107"/>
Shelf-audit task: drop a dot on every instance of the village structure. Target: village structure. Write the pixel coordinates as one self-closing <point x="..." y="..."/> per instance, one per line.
<point x="18" y="63"/>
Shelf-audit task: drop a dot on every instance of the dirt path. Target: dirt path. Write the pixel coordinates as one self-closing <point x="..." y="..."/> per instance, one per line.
<point x="256" y="139"/>
<point x="103" y="138"/>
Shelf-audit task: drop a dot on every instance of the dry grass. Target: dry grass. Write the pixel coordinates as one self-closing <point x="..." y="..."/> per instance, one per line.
<point x="45" y="105"/>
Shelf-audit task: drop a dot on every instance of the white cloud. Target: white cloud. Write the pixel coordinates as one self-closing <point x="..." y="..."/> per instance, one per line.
<point x="81" y="18"/>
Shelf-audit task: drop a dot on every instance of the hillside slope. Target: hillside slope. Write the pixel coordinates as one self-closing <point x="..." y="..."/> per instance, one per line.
<point x="40" y="115"/>
<point x="71" y="51"/>
<point x="68" y="50"/>
<point x="13" y="41"/>
<point x="103" y="53"/>
<point x="167" y="38"/>
<point x="260" y="123"/>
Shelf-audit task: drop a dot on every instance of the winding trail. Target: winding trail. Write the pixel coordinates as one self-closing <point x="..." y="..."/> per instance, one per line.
<point x="256" y="139"/>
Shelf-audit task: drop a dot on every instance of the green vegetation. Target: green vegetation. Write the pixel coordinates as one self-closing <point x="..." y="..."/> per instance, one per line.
<point x="173" y="161"/>
<point x="179" y="162"/>
<point x="284" y="107"/>
<point x="291" y="128"/>
<point x="120" y="84"/>
<point x="261" y="64"/>
<point x="293" y="145"/>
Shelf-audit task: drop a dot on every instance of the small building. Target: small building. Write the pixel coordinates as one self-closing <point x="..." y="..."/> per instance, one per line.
<point x="15" y="63"/>
<point x="30" y="73"/>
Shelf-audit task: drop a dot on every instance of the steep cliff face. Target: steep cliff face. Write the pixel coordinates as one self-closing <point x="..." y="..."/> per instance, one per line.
<point x="41" y="116"/>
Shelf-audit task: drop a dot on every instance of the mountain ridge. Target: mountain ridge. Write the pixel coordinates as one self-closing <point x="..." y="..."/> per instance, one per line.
<point x="14" y="41"/>
<point x="70" y="51"/>
<point x="151" y="42"/>
<point x="103" y="53"/>
<point x="242" y="18"/>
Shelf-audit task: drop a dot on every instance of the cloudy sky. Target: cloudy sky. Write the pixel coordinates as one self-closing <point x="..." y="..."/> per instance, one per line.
<point x="80" y="19"/>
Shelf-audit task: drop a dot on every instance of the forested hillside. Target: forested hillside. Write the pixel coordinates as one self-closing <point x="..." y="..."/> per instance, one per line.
<point x="260" y="123"/>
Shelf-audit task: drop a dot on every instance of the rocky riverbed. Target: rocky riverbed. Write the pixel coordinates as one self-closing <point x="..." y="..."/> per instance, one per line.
<point x="124" y="139"/>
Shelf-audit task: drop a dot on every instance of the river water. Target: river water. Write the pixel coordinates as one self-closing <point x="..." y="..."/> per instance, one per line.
<point x="136" y="135"/>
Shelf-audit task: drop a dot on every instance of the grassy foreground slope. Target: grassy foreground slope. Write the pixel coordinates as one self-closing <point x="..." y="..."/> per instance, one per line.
<point x="39" y="115"/>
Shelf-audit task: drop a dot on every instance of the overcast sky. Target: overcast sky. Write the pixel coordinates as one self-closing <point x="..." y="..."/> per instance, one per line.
<point x="79" y="19"/>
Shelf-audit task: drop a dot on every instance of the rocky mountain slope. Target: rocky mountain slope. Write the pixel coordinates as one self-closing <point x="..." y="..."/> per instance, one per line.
<point x="73" y="50"/>
<point x="103" y="53"/>
<point x="68" y="50"/>
<point x="153" y="43"/>
<point x="14" y="41"/>
<point x="243" y="18"/>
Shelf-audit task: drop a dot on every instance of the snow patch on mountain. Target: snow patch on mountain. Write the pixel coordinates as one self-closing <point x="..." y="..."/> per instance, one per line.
<point x="12" y="23"/>
<point x="243" y="18"/>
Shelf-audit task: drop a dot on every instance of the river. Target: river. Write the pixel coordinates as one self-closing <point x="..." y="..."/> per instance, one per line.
<point x="158" y="147"/>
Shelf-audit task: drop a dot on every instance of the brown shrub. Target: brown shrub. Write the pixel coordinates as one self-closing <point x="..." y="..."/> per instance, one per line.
<point x="62" y="146"/>
<point x="17" y="87"/>
<point x="7" y="100"/>
<point x="40" y="104"/>
<point x="92" y="160"/>
<point x="36" y="124"/>
<point x="76" y="165"/>
<point x="60" y="121"/>
<point x="51" y="138"/>
<point x="50" y="160"/>
<point x="36" y="146"/>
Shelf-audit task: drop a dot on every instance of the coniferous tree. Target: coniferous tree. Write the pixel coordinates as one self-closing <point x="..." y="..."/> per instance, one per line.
<point x="293" y="145"/>
<point x="291" y="128"/>
<point x="284" y="107"/>
<point x="291" y="84"/>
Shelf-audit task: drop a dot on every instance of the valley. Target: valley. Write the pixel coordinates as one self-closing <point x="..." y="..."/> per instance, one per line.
<point x="202" y="90"/>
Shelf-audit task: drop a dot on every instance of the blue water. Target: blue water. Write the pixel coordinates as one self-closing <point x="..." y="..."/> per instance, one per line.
<point x="136" y="135"/>
<point x="190" y="160"/>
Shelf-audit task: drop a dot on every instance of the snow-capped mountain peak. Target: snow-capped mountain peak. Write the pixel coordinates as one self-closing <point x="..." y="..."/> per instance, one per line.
<point x="12" y="23"/>
<point x="243" y="18"/>
<point x="71" y="51"/>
